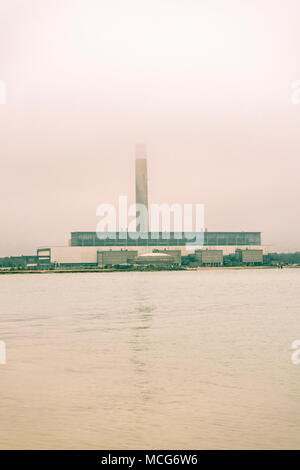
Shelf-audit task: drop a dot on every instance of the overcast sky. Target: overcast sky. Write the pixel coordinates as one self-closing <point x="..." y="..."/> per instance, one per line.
<point x="206" y="84"/>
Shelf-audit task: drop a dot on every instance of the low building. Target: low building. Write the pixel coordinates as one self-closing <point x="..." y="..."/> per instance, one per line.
<point x="20" y="262"/>
<point x="209" y="257"/>
<point x="72" y="256"/>
<point x="250" y="256"/>
<point x="31" y="261"/>
<point x="43" y="257"/>
<point x="63" y="256"/>
<point x="5" y="262"/>
<point x="155" y="259"/>
<point x="116" y="257"/>
<point x="176" y="254"/>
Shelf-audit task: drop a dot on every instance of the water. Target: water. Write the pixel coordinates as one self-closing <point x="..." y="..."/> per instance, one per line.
<point x="157" y="360"/>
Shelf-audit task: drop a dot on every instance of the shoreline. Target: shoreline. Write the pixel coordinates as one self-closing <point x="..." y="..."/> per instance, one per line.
<point x="112" y="270"/>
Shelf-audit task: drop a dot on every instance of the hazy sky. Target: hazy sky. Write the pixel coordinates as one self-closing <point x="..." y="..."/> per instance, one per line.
<point x="205" y="83"/>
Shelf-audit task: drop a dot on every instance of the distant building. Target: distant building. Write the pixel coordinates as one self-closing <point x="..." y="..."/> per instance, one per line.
<point x="84" y="246"/>
<point x="209" y="257"/>
<point x="143" y="238"/>
<point x="43" y="257"/>
<point x="155" y="259"/>
<point x="5" y="262"/>
<point x="176" y="254"/>
<point x="67" y="256"/>
<point x="116" y="257"/>
<point x="250" y="256"/>
<point x="19" y="262"/>
<point x="31" y="261"/>
<point x="165" y="239"/>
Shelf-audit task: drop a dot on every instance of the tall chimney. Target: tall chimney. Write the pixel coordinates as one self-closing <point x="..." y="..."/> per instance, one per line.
<point x="141" y="188"/>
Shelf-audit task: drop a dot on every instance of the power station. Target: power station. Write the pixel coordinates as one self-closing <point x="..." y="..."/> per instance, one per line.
<point x="145" y="247"/>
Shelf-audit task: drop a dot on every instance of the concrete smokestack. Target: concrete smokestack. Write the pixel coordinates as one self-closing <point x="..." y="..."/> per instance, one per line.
<point x="141" y="189"/>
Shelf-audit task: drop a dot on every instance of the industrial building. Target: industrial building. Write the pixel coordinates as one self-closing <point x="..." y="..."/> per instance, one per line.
<point x="95" y="257"/>
<point x="62" y="256"/>
<point x="249" y="256"/>
<point x="19" y="262"/>
<point x="155" y="259"/>
<point x="176" y="254"/>
<point x="88" y="255"/>
<point x="137" y="239"/>
<point x="209" y="257"/>
<point x="115" y="257"/>
<point x="96" y="249"/>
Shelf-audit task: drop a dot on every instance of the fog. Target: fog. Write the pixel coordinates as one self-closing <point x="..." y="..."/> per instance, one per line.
<point x="206" y="85"/>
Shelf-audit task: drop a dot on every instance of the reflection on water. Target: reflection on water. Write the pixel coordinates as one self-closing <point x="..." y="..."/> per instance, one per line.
<point x="150" y="360"/>
<point x="139" y="344"/>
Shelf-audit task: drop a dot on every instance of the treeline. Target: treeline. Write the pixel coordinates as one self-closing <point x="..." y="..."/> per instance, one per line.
<point x="286" y="258"/>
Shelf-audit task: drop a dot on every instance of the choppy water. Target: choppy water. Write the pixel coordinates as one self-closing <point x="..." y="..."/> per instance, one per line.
<point x="150" y="360"/>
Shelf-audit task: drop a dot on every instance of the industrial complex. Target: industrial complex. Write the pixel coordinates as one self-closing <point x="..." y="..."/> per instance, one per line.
<point x="143" y="247"/>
